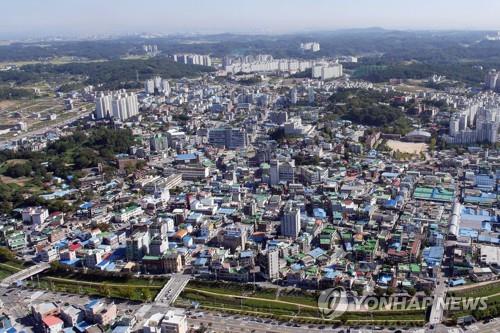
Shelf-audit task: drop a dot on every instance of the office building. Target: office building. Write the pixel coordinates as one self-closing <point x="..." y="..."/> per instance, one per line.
<point x="170" y="322"/>
<point x="282" y="172"/>
<point x="230" y="138"/>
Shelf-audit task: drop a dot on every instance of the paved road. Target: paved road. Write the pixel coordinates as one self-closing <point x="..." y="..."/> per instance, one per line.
<point x="17" y="303"/>
<point x="24" y="274"/>
<point x="81" y="114"/>
<point x="172" y="289"/>
<point x="491" y="327"/>
<point x="437" y="309"/>
<point x="221" y="323"/>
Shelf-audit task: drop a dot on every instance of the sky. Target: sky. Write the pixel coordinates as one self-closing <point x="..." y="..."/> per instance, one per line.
<point x="40" y="18"/>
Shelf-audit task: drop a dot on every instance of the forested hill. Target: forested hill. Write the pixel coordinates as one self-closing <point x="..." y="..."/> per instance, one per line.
<point x="112" y="74"/>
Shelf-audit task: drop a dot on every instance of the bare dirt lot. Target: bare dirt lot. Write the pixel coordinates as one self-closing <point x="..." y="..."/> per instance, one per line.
<point x="407" y="147"/>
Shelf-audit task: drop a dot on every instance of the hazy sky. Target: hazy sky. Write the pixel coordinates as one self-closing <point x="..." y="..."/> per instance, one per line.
<point x="85" y="17"/>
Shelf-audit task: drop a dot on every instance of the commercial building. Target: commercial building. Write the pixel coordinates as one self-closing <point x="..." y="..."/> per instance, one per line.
<point x="281" y="171"/>
<point x="170" y="322"/>
<point x="226" y="137"/>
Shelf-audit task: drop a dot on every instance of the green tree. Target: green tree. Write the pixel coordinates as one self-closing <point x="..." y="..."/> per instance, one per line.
<point x="432" y="144"/>
<point x="105" y="289"/>
<point x="146" y="293"/>
<point x="6" y="255"/>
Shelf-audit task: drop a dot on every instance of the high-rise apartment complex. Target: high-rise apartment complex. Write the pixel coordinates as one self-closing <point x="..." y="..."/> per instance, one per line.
<point x="157" y="85"/>
<point x="474" y="124"/>
<point x="192" y="59"/>
<point x="119" y="105"/>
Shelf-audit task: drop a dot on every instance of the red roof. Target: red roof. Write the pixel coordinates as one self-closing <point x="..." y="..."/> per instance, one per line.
<point x="52" y="321"/>
<point x="74" y="246"/>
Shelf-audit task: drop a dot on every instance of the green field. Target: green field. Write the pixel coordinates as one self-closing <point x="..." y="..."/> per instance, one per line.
<point x="298" y="305"/>
<point x="490" y="292"/>
<point x="482" y="291"/>
<point x="115" y="286"/>
<point x="8" y="268"/>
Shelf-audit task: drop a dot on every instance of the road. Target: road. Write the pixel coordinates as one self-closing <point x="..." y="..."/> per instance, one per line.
<point x="172" y="289"/>
<point x="222" y="323"/>
<point x="47" y="128"/>
<point x="17" y="304"/>
<point x="24" y="274"/>
<point x="437" y="309"/>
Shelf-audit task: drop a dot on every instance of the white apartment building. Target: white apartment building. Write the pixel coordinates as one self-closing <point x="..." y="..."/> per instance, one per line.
<point x="120" y="105"/>
<point x="35" y="215"/>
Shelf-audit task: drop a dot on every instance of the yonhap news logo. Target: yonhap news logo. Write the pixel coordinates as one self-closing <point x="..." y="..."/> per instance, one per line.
<point x="333" y="302"/>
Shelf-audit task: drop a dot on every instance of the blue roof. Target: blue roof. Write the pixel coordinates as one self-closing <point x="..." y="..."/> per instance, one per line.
<point x="433" y="255"/>
<point x="185" y="157"/>
<point x="86" y="205"/>
<point x="121" y="329"/>
<point x="200" y="261"/>
<point x="456" y="282"/>
<point x="226" y="211"/>
<point x="468" y="232"/>
<point x="70" y="262"/>
<point x="317" y="252"/>
<point x="385" y="278"/>
<point x="331" y="274"/>
<point x="390" y="174"/>
<point x="82" y="326"/>
<point x="246" y="254"/>
<point x="390" y="203"/>
<point x="319" y="213"/>
<point x="92" y="303"/>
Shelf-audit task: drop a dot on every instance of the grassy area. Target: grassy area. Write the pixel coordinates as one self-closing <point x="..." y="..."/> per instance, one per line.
<point x="99" y="284"/>
<point x="481" y="291"/>
<point x="9" y="267"/>
<point x="293" y="296"/>
<point x="145" y="293"/>
<point x="286" y="307"/>
<point x="491" y="296"/>
<point x="7" y="270"/>
<point x="118" y="279"/>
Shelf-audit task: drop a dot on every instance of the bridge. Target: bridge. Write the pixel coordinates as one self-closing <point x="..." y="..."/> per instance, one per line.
<point x="437" y="309"/>
<point x="172" y="289"/>
<point x="24" y="274"/>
